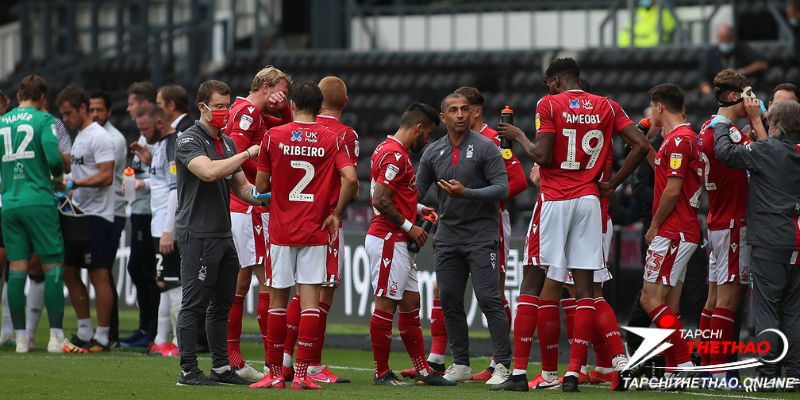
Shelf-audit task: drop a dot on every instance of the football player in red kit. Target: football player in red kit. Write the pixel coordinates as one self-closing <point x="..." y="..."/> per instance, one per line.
<point x="393" y="193"/>
<point x="248" y="120"/>
<point x="573" y="138"/>
<point x="334" y="94"/>
<point x="301" y="224"/>
<point x="675" y="231"/>
<point x="729" y="262"/>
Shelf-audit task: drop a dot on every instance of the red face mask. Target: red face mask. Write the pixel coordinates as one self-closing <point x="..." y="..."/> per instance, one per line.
<point x="218" y="118"/>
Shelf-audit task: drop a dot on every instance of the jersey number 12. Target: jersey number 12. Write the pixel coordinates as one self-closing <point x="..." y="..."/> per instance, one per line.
<point x="9" y="154"/>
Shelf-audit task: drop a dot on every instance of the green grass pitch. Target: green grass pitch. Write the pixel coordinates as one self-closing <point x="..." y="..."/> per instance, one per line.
<point x="132" y="375"/>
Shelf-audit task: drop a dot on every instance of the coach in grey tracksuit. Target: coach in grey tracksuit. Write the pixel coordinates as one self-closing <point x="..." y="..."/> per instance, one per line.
<point x="471" y="176"/>
<point x="773" y="227"/>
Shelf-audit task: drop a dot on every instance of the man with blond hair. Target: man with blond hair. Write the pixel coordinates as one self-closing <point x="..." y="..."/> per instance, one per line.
<point x="248" y="121"/>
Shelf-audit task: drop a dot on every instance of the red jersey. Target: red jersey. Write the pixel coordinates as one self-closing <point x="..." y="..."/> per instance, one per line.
<point x="516" y="176"/>
<point x="727" y="209"/>
<point x="582" y="124"/>
<point x="304" y="159"/>
<point x="679" y="156"/>
<point x="246" y="126"/>
<point x="391" y="166"/>
<point x="348" y="141"/>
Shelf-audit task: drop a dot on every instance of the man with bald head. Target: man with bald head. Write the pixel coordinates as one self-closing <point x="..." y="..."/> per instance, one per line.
<point x="334" y="100"/>
<point x="729" y="53"/>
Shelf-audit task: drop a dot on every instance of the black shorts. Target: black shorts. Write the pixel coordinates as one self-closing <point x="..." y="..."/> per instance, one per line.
<point x="98" y="251"/>
<point x="168" y="266"/>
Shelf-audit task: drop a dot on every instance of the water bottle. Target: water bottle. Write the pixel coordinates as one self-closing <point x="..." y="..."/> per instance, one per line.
<point x="129" y="185"/>
<point x="426" y="225"/>
<point x="644" y="125"/>
<point x="506" y="117"/>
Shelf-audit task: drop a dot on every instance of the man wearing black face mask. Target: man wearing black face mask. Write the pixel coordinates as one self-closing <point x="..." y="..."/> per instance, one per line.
<point x="208" y="169"/>
<point x="732" y="54"/>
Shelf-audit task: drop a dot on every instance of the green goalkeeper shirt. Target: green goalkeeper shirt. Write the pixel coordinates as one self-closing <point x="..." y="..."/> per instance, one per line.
<point x="30" y="157"/>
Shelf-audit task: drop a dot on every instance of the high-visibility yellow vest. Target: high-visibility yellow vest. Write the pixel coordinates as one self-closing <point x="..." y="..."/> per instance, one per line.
<point x="645" y="28"/>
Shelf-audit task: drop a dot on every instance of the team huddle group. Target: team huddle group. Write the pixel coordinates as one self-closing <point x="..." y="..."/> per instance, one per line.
<point x="258" y="186"/>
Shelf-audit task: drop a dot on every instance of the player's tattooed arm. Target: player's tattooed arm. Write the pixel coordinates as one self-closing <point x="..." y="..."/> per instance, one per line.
<point x="382" y="201"/>
<point x="244" y="190"/>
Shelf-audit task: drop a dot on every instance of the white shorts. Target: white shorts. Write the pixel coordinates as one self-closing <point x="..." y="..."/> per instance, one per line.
<point x="566" y="234"/>
<point x="296" y="264"/>
<point x="333" y="261"/>
<point x="667" y="260"/>
<point x="608" y="235"/>
<point x="564" y="276"/>
<point x="392" y="267"/>
<point x="730" y="256"/>
<point x="250" y="236"/>
<point x="505" y="237"/>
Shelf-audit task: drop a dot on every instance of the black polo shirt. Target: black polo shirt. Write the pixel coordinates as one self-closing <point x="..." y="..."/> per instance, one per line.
<point x="203" y="207"/>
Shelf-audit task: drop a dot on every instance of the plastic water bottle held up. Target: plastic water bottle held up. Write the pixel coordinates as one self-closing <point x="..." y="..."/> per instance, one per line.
<point x="506" y="117"/>
<point x="426" y="225"/>
<point x="129" y="185"/>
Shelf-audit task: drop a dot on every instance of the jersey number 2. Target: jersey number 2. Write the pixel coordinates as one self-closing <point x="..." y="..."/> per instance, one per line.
<point x="297" y="193"/>
<point x="21" y="154"/>
<point x="586" y="144"/>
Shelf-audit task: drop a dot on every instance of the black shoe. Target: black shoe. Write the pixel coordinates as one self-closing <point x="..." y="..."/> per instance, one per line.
<point x="96" y="347"/>
<point x="135" y="336"/>
<point x="195" y="378"/>
<point x="515" y="383"/>
<point x="389" y="379"/>
<point x="229" y="378"/>
<point x="432" y="379"/>
<point x="570" y="384"/>
<point x="78" y="342"/>
<point x="437" y="368"/>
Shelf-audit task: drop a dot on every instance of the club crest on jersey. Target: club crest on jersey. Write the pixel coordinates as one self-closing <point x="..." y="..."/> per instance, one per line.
<point x="574" y="103"/>
<point x="297" y="136"/>
<point x="675" y="160"/>
<point x="735" y="135"/>
<point x="391" y="172"/>
<point x="470" y="150"/>
<point x="245" y="122"/>
<point x="311" y="137"/>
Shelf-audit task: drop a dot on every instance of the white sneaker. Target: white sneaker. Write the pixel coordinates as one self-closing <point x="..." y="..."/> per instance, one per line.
<point x="500" y="375"/>
<point x="249" y="373"/>
<point x="23" y="344"/>
<point x="458" y="373"/>
<point x="8" y="337"/>
<point x="56" y="344"/>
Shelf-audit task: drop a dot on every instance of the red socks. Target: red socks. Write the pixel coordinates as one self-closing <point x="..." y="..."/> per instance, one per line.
<point x="306" y="338"/>
<point x="524" y="328"/>
<point x="582" y="334"/>
<point x="380" y="334"/>
<point x="664" y="318"/>
<point x="507" y="308"/>
<point x="605" y="323"/>
<point x="411" y="333"/>
<point x="261" y="316"/>
<point x="438" y="330"/>
<point x="235" y="332"/>
<point x="292" y="324"/>
<point x="705" y="325"/>
<point x="323" y="324"/>
<point x="569" y="316"/>
<point x="722" y="321"/>
<point x="549" y="327"/>
<point x="276" y="335"/>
